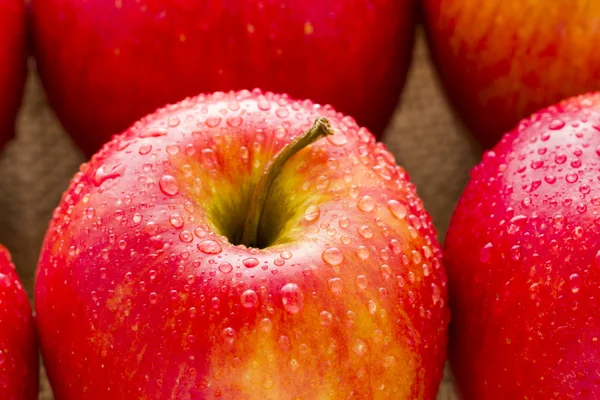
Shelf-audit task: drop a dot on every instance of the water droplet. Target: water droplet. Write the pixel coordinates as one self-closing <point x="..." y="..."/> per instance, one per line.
<point x="326" y="318"/>
<point x="292" y="298"/>
<point x="556" y="124"/>
<point x="361" y="282"/>
<point x="168" y="185"/>
<point x="172" y="149"/>
<point x="338" y="138"/>
<point x="366" y="204"/>
<point x="209" y="246"/>
<point x="365" y="231"/>
<point x="516" y="223"/>
<point x="536" y="164"/>
<point x="395" y="246"/>
<point x="264" y="104"/>
<point x="266" y="325"/>
<point x="362" y="252"/>
<point x="372" y="307"/>
<point x="344" y="222"/>
<point x="186" y="236"/>
<point x="250" y="262"/>
<point x="576" y="283"/>
<point x="282" y="112"/>
<point x="137" y="217"/>
<point x="397" y="209"/>
<point x="585" y="189"/>
<point x="485" y="253"/>
<point x="234" y="122"/>
<point x="153" y="297"/>
<point x="312" y="213"/>
<point x="336" y="285"/>
<point x="560" y="158"/>
<point x="333" y="256"/>
<point x="515" y="253"/>
<point x="571" y="177"/>
<point x="176" y="220"/>
<point x="249" y="299"/>
<point x="550" y="179"/>
<point x="145" y="149"/>
<point x="213" y="122"/>
<point x="226" y="268"/>
<point x="228" y="336"/>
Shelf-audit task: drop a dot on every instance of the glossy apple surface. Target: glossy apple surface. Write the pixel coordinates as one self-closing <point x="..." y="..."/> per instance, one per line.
<point x="141" y="292"/>
<point x="18" y="348"/>
<point x="502" y="60"/>
<point x="106" y="64"/>
<point x="523" y="259"/>
<point x="13" y="67"/>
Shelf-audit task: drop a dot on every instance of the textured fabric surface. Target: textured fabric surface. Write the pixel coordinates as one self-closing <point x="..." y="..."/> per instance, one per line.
<point x="37" y="165"/>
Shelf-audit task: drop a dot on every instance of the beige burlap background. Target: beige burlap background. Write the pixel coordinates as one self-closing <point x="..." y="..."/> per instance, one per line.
<point x="36" y="167"/>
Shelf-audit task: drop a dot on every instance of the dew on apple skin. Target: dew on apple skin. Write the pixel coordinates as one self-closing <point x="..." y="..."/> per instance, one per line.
<point x="209" y="246"/>
<point x="250" y="262"/>
<point x="312" y="213"/>
<point x="556" y="124"/>
<point x="344" y="222"/>
<point x="361" y="282"/>
<point x="168" y="185"/>
<point x="266" y="325"/>
<point x="335" y="285"/>
<point x="145" y="149"/>
<point x="359" y="348"/>
<point x="172" y="149"/>
<point x="176" y="220"/>
<point x="366" y="204"/>
<point x="225" y="267"/>
<point x="485" y="253"/>
<point x="571" y="177"/>
<point x="397" y="209"/>
<point x="153" y="297"/>
<point x="333" y="256"/>
<point x="249" y="298"/>
<point x="575" y="282"/>
<point x="362" y="252"/>
<point x="284" y="343"/>
<point x="229" y="335"/>
<point x="292" y="298"/>
<point x="186" y="236"/>
<point x="365" y="231"/>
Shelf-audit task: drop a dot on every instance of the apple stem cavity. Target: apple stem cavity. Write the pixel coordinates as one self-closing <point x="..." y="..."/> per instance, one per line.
<point x="319" y="129"/>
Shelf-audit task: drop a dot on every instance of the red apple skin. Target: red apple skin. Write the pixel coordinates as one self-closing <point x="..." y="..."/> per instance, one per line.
<point x="18" y="347"/>
<point x="106" y="64"/>
<point x="523" y="259"/>
<point x="501" y="60"/>
<point x="13" y="64"/>
<point x="139" y="294"/>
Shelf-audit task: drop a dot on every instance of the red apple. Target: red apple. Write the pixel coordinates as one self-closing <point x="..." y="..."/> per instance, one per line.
<point x="13" y="64"/>
<point x="188" y="260"/>
<point x="18" y="348"/>
<point x="501" y="60"/>
<point x="523" y="259"/>
<point x="106" y="64"/>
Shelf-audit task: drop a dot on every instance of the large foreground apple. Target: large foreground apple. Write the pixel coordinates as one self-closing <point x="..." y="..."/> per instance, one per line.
<point x="501" y="60"/>
<point x="523" y="258"/>
<point x="106" y="64"/>
<point x="188" y="260"/>
<point x="13" y="67"/>
<point x="18" y="348"/>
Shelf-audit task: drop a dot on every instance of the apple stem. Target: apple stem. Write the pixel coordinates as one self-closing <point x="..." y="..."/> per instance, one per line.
<point x="320" y="128"/>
